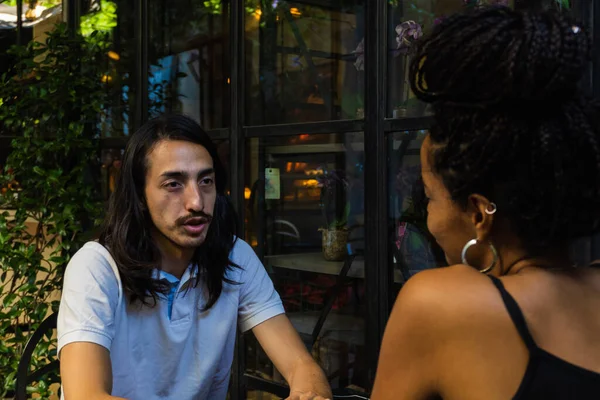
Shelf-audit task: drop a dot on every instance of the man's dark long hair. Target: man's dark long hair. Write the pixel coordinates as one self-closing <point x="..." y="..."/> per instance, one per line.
<point x="127" y="231"/>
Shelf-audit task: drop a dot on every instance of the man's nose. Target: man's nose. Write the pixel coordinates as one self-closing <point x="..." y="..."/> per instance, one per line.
<point x="193" y="198"/>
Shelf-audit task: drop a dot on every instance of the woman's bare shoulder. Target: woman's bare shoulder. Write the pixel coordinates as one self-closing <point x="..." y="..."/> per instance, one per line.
<point x="452" y="297"/>
<point x="434" y="312"/>
<point x="456" y="283"/>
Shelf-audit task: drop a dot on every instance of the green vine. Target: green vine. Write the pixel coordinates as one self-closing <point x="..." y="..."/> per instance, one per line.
<point x="50" y="103"/>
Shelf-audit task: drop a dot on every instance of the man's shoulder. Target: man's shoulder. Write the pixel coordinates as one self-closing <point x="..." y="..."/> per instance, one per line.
<point x="246" y="262"/>
<point x="94" y="247"/>
<point x="93" y="258"/>
<point x="94" y="251"/>
<point x="241" y="252"/>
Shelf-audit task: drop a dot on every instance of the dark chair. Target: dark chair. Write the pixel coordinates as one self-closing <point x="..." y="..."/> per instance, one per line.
<point x="24" y="376"/>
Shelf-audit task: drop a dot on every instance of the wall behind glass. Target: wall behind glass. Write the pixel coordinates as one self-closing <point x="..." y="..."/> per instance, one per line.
<point x="304" y="61"/>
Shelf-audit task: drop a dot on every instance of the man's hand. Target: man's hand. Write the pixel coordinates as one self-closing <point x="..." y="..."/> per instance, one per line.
<point x="282" y="344"/>
<point x="297" y="395"/>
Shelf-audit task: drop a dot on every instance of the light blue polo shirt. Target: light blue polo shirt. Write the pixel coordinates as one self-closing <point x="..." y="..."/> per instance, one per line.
<point x="174" y="350"/>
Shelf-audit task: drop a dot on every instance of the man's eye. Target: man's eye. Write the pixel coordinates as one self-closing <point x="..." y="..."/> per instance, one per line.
<point x="172" y="185"/>
<point x="207" y="181"/>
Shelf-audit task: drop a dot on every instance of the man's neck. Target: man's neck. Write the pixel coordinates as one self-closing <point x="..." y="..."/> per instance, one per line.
<point x="174" y="259"/>
<point x="175" y="264"/>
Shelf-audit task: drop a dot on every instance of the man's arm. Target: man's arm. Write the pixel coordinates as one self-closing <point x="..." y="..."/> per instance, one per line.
<point x="284" y="347"/>
<point x="86" y="372"/>
<point x="85" y="324"/>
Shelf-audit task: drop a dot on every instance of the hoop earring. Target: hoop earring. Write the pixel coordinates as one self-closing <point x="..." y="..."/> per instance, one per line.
<point x="474" y="242"/>
<point x="493" y="209"/>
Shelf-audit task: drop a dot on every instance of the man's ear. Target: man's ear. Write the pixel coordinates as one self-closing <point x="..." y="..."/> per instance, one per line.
<point x="482" y="212"/>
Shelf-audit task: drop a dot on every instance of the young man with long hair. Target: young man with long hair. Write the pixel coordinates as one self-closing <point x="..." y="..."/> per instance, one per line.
<point x="151" y="309"/>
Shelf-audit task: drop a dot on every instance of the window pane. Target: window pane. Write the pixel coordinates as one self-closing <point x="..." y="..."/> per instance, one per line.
<point x="188" y="59"/>
<point x="304" y="62"/>
<point x="408" y="21"/>
<point x="296" y="186"/>
<point x="224" y="152"/>
<point x="117" y="20"/>
<point x="412" y="248"/>
<point x="110" y="160"/>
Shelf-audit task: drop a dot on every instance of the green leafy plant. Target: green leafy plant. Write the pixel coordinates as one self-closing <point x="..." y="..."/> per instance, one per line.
<point x="103" y="21"/>
<point x="50" y="103"/>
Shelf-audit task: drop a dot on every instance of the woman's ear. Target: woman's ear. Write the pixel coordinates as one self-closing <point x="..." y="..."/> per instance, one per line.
<point x="482" y="215"/>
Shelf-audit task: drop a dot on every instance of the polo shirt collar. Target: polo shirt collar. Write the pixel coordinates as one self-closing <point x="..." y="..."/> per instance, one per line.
<point x="189" y="274"/>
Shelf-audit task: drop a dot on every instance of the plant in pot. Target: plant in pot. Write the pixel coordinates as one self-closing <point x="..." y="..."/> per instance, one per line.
<point x="335" y="209"/>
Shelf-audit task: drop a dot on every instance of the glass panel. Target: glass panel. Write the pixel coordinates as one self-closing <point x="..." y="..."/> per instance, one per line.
<point x="224" y="152"/>
<point x="115" y="18"/>
<point x="411" y="246"/>
<point x="304" y="62"/>
<point x="110" y="160"/>
<point x="295" y="187"/>
<point x="188" y="58"/>
<point x="408" y="21"/>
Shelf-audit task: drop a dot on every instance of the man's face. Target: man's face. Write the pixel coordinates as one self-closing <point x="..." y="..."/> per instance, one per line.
<point x="180" y="193"/>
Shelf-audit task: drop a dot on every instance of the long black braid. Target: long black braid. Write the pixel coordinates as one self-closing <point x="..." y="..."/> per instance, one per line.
<point x="511" y="122"/>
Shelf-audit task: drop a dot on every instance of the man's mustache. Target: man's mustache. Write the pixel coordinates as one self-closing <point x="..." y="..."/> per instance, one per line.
<point x="201" y="216"/>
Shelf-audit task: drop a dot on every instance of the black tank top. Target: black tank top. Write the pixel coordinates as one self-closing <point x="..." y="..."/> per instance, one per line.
<point x="548" y="377"/>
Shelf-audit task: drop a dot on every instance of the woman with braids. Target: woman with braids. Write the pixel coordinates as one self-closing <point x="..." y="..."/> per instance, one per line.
<point x="512" y="175"/>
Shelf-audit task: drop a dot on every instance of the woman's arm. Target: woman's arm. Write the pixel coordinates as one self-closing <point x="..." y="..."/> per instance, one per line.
<point x="408" y="366"/>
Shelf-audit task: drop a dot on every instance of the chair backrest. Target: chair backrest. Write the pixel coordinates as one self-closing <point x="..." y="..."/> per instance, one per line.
<point x="24" y="376"/>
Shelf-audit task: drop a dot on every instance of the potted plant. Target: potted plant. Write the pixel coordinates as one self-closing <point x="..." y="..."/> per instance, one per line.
<point x="335" y="209"/>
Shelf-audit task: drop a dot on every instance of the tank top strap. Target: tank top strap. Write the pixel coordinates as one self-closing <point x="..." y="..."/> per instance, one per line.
<point x="515" y="313"/>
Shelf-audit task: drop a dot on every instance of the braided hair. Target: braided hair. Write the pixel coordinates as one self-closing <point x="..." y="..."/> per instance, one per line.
<point x="510" y="120"/>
